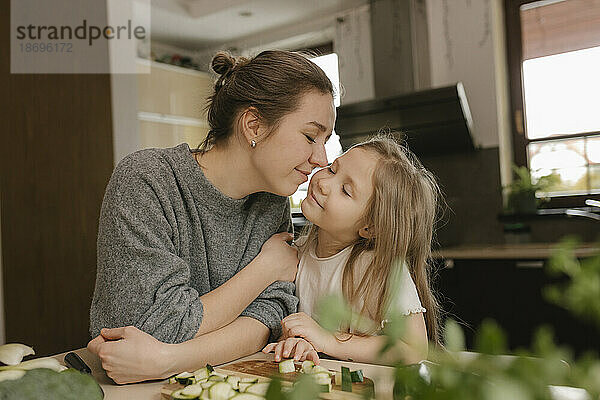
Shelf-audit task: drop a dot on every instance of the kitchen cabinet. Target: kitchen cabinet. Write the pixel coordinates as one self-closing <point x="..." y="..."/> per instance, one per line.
<point x="508" y="290"/>
<point x="171" y="104"/>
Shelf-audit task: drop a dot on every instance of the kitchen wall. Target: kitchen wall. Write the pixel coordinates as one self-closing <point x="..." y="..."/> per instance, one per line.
<point x="55" y="161"/>
<point x="352" y="43"/>
<point x="467" y="44"/>
<point x="461" y="37"/>
<point x="2" y="330"/>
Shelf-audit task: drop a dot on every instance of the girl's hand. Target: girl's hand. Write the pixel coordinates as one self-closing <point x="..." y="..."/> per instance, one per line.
<point x="301" y="325"/>
<point x="129" y="355"/>
<point x="298" y="347"/>
<point x="279" y="259"/>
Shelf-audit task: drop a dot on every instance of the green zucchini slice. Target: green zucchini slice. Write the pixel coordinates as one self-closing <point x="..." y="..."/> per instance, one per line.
<point x="346" y="380"/>
<point x="287" y="366"/>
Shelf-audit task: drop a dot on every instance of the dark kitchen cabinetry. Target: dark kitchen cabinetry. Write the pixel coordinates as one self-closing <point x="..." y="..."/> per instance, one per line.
<point x="510" y="292"/>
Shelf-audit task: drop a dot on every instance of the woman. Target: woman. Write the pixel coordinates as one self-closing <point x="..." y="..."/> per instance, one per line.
<point x="181" y="231"/>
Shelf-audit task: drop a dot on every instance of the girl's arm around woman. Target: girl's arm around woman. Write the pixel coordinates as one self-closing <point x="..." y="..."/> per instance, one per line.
<point x="411" y="348"/>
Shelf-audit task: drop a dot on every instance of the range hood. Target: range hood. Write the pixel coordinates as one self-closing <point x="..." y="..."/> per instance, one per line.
<point x="430" y="122"/>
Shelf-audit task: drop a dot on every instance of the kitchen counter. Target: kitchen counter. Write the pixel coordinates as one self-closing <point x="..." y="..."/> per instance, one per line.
<point x="511" y="251"/>
<point x="382" y="376"/>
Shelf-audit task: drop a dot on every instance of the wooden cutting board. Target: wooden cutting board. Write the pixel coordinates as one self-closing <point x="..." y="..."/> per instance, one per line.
<point x="264" y="369"/>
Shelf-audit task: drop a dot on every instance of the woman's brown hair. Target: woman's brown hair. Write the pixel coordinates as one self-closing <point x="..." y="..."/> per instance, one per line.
<point x="402" y="212"/>
<point x="273" y="82"/>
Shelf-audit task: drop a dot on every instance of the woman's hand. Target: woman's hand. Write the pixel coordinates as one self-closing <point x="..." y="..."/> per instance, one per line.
<point x="301" y="325"/>
<point x="129" y="355"/>
<point x="278" y="258"/>
<point x="298" y="347"/>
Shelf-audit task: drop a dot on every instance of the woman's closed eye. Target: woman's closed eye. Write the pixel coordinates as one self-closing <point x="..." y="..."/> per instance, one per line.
<point x="310" y="138"/>
<point x="346" y="192"/>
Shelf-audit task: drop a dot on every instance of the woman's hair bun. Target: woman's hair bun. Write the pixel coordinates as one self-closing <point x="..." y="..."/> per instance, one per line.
<point x="222" y="63"/>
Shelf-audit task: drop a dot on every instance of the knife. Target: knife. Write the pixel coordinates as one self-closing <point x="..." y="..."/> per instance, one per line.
<point x="72" y="360"/>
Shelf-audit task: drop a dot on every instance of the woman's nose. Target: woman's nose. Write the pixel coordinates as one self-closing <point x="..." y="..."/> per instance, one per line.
<point x="319" y="156"/>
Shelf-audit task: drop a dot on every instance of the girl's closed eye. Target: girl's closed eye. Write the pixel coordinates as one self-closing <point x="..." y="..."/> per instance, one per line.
<point x="346" y="192"/>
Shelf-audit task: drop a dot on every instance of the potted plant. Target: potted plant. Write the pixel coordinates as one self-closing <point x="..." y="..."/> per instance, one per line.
<point x="521" y="197"/>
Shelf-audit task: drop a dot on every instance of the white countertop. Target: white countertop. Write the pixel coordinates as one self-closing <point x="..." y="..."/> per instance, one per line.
<point x="382" y="376"/>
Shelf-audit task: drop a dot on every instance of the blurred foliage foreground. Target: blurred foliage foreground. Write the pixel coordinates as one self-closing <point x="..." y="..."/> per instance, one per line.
<point x="492" y="372"/>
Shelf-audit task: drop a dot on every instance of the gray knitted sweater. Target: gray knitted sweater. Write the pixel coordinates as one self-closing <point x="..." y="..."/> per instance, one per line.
<point x="167" y="236"/>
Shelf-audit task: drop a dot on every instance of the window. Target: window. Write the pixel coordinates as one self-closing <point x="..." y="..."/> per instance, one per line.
<point x="554" y="58"/>
<point x="329" y="64"/>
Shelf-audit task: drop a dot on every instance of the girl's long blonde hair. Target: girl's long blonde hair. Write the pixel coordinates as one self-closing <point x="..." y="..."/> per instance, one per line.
<point x="401" y="213"/>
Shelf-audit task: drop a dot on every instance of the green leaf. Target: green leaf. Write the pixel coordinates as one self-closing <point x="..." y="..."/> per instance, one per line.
<point x="332" y="311"/>
<point x="490" y="339"/>
<point x="274" y="390"/>
<point x="581" y="294"/>
<point x="507" y="389"/>
<point x="305" y="389"/>
<point x="454" y="336"/>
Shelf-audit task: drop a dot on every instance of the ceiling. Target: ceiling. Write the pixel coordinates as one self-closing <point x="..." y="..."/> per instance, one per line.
<point x="201" y="24"/>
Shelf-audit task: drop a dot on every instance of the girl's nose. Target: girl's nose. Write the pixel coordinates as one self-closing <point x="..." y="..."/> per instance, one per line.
<point x="319" y="156"/>
<point x="323" y="185"/>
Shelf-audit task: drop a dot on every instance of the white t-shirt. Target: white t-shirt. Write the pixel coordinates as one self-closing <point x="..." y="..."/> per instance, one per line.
<point x="318" y="277"/>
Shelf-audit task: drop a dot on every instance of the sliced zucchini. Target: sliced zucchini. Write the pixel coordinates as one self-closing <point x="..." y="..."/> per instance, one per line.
<point x="11" y="375"/>
<point x="172" y="380"/>
<point x="234" y="381"/>
<point x="338" y="378"/>
<point x="307" y="366"/>
<point x="207" y="384"/>
<point x="179" y="395"/>
<point x="205" y="395"/>
<point x="192" y="390"/>
<point x="249" y="380"/>
<point x="258" y="388"/>
<point x="201" y="373"/>
<point x="346" y="380"/>
<point x="322" y="378"/>
<point x="243" y="386"/>
<point x="221" y="391"/>
<point x="357" y="376"/>
<point x="210" y="368"/>
<point x="325" y="388"/>
<point x="185" y="378"/>
<point x="216" y="378"/>
<point x="13" y="353"/>
<point x="318" y="369"/>
<point x="287" y="366"/>
<point x="43" y="362"/>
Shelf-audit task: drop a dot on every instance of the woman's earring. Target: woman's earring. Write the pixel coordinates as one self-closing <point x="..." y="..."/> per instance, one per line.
<point x="252" y="143"/>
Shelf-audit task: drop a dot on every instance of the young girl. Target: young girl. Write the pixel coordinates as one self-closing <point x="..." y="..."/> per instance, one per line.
<point x="371" y="207"/>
